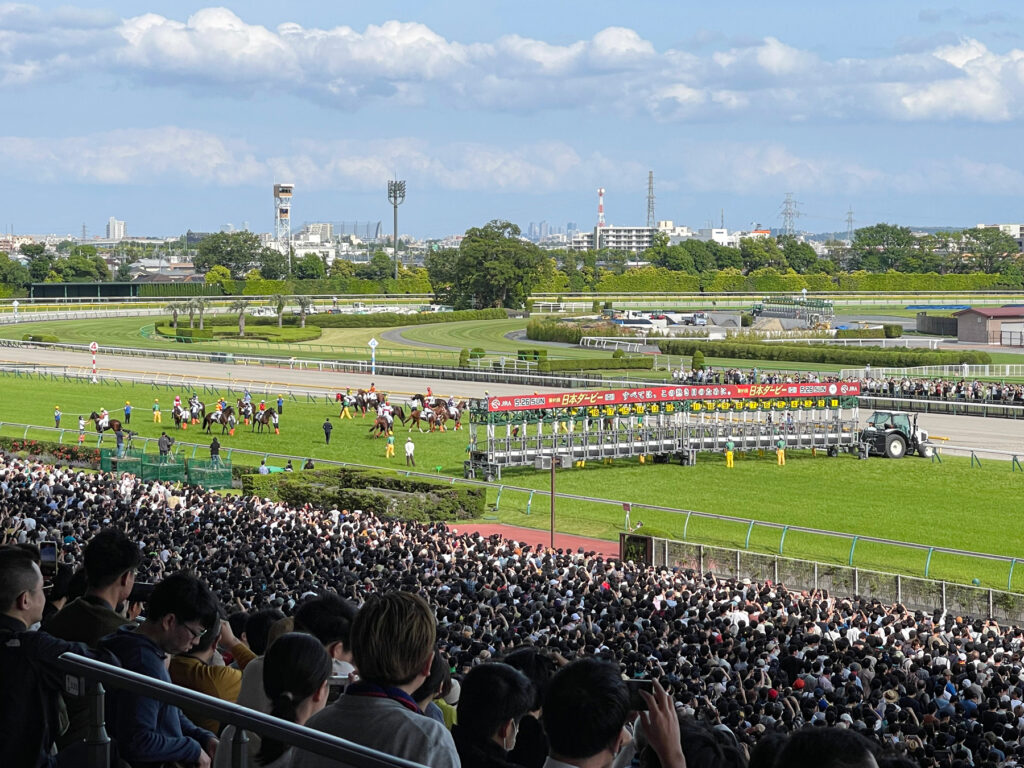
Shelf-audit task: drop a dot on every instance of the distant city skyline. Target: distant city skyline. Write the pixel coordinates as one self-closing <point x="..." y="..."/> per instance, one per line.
<point x="178" y="116"/>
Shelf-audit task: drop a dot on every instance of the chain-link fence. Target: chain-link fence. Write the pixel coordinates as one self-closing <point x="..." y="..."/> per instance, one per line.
<point x="914" y="593"/>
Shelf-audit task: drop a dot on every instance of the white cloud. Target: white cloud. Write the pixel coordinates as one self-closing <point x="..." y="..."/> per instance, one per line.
<point x="216" y="50"/>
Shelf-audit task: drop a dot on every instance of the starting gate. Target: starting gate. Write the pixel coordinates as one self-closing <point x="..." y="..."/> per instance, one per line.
<point x="670" y="422"/>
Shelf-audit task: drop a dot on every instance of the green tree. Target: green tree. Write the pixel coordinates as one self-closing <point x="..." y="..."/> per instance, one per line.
<point x="201" y="306"/>
<point x="14" y="273"/>
<point x="39" y="267"/>
<point x="279" y="301"/>
<point x="759" y="252"/>
<point x="989" y="248"/>
<point x="495" y="267"/>
<point x="220" y="275"/>
<point x="238" y="251"/>
<point x="273" y="264"/>
<point x="800" y="256"/>
<point x="175" y="307"/>
<point x="442" y="268"/>
<point x="880" y="247"/>
<point x="124" y="273"/>
<point x="342" y="268"/>
<point x="32" y="250"/>
<point x="379" y="267"/>
<point x="304" y="303"/>
<point x="240" y="306"/>
<point x="309" y="267"/>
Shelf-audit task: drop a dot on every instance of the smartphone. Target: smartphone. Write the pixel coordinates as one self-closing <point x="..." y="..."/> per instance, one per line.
<point x="48" y="558"/>
<point x="636" y="701"/>
<point x="141" y="592"/>
<point x="336" y="687"/>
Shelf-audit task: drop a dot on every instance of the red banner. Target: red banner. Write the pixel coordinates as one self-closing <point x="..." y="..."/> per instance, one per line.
<point x="596" y="399"/>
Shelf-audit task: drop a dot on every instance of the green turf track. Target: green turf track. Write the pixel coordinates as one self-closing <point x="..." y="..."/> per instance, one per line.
<point x="914" y="500"/>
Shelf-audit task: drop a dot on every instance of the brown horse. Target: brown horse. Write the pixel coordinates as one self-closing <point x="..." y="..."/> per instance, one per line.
<point x="226" y="419"/>
<point x="112" y="424"/>
<point x="268" y="419"/>
<point x="381" y="427"/>
<point x="418" y="417"/>
<point x="440" y="417"/>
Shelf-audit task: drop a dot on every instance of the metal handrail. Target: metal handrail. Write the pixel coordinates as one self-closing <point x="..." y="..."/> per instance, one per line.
<point x="300" y="736"/>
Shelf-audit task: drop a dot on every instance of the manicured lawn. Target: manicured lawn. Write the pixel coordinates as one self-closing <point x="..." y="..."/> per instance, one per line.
<point x="913" y="500"/>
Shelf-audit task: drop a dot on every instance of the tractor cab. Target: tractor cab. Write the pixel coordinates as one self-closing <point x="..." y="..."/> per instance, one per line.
<point x="895" y="434"/>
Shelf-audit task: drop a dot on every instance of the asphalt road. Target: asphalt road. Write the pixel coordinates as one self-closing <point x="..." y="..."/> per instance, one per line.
<point x="971" y="431"/>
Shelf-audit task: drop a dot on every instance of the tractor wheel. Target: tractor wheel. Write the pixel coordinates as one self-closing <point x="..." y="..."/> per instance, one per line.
<point x="833" y="451"/>
<point x="895" y="447"/>
<point x="489" y="478"/>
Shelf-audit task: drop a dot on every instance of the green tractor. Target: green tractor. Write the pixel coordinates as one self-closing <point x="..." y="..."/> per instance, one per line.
<point x="895" y="434"/>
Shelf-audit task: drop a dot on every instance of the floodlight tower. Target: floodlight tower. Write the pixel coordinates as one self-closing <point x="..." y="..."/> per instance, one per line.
<point x="283" y="219"/>
<point x="396" y="196"/>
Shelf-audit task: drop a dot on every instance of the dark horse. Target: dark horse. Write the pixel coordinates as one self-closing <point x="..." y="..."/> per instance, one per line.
<point x="268" y="419"/>
<point x="381" y="426"/>
<point x="112" y="424"/>
<point x="226" y="419"/>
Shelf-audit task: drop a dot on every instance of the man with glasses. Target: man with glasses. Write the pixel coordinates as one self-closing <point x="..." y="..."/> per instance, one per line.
<point x="178" y="614"/>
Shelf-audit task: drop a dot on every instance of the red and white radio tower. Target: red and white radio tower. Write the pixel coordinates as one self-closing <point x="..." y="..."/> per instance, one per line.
<point x="600" y="207"/>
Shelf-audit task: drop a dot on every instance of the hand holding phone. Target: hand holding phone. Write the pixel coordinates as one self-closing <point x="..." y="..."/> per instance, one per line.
<point x="637" y="702"/>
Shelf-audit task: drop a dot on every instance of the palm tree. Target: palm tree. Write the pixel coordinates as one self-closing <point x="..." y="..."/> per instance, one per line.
<point x="201" y="305"/>
<point x="240" y="306"/>
<point x="174" y="308"/>
<point x="304" y="303"/>
<point x="278" y="301"/>
<point x="190" y="307"/>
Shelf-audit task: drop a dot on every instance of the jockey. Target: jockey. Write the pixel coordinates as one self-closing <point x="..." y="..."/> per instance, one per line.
<point x="450" y="403"/>
<point x="177" y="401"/>
<point x="373" y="387"/>
<point x="430" y="392"/>
<point x="194" y="401"/>
<point x="263" y="405"/>
<point x="104" y="418"/>
<point x="247" y="398"/>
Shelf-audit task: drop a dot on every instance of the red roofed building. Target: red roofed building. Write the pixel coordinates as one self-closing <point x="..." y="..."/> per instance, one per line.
<point x="991" y="325"/>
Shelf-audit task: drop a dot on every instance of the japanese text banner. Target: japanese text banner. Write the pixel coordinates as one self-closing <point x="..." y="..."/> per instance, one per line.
<point x="595" y="399"/>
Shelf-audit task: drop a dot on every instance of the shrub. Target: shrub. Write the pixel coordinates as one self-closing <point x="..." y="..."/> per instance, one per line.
<point x="595" y="306"/>
<point x="464" y="358"/>
<point x="618" y="353"/>
<point x="746" y="320"/>
<point x="531" y="354"/>
<point x="851" y="356"/>
<point x="860" y="333"/>
<point x="643" y="362"/>
<point x="392" y="319"/>
<point x="47" y="337"/>
<point x="607" y="305"/>
<point x="385" y="494"/>
<point x="549" y="330"/>
<point x="186" y="335"/>
<point x="893" y="330"/>
<point x="698" y="360"/>
<point x="476" y="353"/>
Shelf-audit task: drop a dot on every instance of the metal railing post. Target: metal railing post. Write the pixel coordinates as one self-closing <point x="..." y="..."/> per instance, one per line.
<point x="240" y="749"/>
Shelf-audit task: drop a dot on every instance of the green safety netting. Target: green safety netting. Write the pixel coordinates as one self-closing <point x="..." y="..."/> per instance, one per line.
<point x="131" y="461"/>
<point x="168" y="468"/>
<point x="209" y="475"/>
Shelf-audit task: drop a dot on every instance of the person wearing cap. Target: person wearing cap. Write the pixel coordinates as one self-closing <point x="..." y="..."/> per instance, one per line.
<point x="280" y="405"/>
<point x="127" y="411"/>
<point x="780" y="451"/>
<point x="56" y="416"/>
<point x="157" y="416"/>
<point x="263" y="405"/>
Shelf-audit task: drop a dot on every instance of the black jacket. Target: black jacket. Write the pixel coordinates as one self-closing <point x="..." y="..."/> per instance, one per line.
<point x="477" y="754"/>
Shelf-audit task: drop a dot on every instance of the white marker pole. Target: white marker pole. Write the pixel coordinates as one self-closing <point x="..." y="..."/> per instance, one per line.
<point x="372" y="344"/>
<point x="93" y="347"/>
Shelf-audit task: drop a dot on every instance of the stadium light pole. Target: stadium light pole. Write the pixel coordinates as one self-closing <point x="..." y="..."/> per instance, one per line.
<point x="396" y="196"/>
<point x="554" y="463"/>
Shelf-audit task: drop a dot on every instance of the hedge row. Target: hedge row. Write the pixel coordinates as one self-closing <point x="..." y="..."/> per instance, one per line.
<point x="326" y="287"/>
<point x="287" y="335"/>
<point x="806" y="353"/>
<point x="392" y="319"/>
<point x="597" y="363"/>
<point x="40" y="337"/>
<point x="384" y="494"/>
<point x="887" y="331"/>
<point x="532" y="354"/>
<point x="154" y="290"/>
<point x="190" y="334"/>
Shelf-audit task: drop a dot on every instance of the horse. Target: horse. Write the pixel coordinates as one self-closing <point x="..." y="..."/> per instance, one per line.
<point x="245" y="410"/>
<point x="181" y="416"/>
<point x="440" y="417"/>
<point x="381" y="426"/>
<point x="112" y="424"/>
<point x="399" y="414"/>
<point x="455" y="413"/>
<point x="366" y="400"/>
<point x="268" y="419"/>
<point x="197" y="411"/>
<point x="416" y="418"/>
<point x="226" y="419"/>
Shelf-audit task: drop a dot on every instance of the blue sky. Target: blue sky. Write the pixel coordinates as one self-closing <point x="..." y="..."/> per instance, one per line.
<point x="182" y="115"/>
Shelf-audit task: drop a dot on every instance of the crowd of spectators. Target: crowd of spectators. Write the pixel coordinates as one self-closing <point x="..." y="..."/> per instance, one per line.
<point x="743" y="664"/>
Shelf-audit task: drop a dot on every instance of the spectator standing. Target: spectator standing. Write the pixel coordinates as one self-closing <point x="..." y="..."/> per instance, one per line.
<point x="157" y="416"/>
<point x="296" y="675"/>
<point x="56" y="416"/>
<point x="178" y="614"/>
<point x="164" y="445"/>
<point x="492" y="702"/>
<point x="215" y="452"/>
<point x="327" y="430"/>
<point x="195" y="669"/>
<point x="730" y="447"/>
<point x="81" y="429"/>
<point x="410" y="453"/>
<point x="127" y="411"/>
<point x="393" y="639"/>
<point x="119" y="439"/>
<point x="29" y="677"/>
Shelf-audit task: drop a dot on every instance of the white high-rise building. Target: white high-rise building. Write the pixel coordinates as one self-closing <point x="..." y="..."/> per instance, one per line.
<point x="115" y="229"/>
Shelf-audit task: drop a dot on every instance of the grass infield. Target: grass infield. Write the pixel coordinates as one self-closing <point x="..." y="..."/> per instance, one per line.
<point x="912" y="500"/>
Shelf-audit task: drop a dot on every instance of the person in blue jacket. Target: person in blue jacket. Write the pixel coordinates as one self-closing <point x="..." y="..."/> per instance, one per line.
<point x="180" y="611"/>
